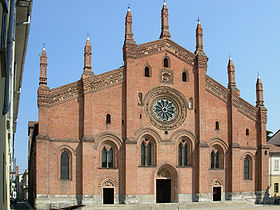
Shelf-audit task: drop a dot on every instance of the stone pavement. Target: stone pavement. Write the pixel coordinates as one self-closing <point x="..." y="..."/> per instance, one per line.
<point x="232" y="205"/>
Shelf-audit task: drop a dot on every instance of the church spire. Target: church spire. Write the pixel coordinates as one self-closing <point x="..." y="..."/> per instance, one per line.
<point x="231" y="74"/>
<point x="199" y="37"/>
<point x="164" y="22"/>
<point x="43" y="68"/>
<point x="87" y="58"/>
<point x="231" y="77"/>
<point x="259" y="92"/>
<point x="128" y="28"/>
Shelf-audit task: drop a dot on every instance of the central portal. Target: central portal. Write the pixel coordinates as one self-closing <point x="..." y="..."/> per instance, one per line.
<point x="163" y="190"/>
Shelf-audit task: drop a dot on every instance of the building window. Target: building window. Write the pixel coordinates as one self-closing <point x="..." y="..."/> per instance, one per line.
<point x="108" y="119"/>
<point x="107" y="157"/>
<point x="217" y="126"/>
<point x="166" y="62"/>
<point x="146" y="153"/>
<point x="64" y="165"/>
<point x="140" y="99"/>
<point x="184" y="77"/>
<point x="276" y="187"/>
<point x="217" y="158"/>
<point x="247" y="132"/>
<point x="184" y="153"/>
<point x="247" y="168"/>
<point x="147" y="72"/>
<point x="276" y="165"/>
<point x="191" y="103"/>
<point x="212" y="159"/>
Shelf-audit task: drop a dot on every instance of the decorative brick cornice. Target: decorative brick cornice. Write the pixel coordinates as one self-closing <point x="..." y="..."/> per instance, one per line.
<point x="158" y="46"/>
<point x="222" y="93"/>
<point x="103" y="81"/>
<point x="247" y="109"/>
<point x="64" y="93"/>
<point x="216" y="89"/>
<point x="91" y="84"/>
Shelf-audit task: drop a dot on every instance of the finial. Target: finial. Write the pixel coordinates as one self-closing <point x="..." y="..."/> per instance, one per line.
<point x="87" y="36"/>
<point x="198" y="20"/>
<point x="229" y="56"/>
<point x="164" y="3"/>
<point x="259" y="77"/>
<point x="128" y="9"/>
<point x="44" y="46"/>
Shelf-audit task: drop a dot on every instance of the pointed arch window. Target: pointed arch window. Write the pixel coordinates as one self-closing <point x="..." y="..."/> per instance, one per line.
<point x="247" y="168"/>
<point x="247" y="132"/>
<point x="191" y="103"/>
<point x="166" y="62"/>
<point x="184" y="153"/>
<point x="147" y="72"/>
<point x="108" y="119"/>
<point x="107" y="157"/>
<point x="217" y="158"/>
<point x="64" y="165"/>
<point x="217" y="126"/>
<point x="184" y="77"/>
<point x="146" y="153"/>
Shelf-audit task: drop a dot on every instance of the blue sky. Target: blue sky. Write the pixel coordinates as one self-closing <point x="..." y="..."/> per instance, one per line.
<point x="246" y="30"/>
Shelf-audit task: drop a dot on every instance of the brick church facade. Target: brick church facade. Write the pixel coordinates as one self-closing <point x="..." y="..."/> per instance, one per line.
<point x="157" y="129"/>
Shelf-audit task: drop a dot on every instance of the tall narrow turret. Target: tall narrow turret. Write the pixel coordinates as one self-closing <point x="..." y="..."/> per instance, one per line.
<point x="128" y="28"/>
<point x="87" y="58"/>
<point x="164" y="22"/>
<point x="199" y="37"/>
<point x="259" y="93"/>
<point x="43" y="68"/>
<point x="231" y="76"/>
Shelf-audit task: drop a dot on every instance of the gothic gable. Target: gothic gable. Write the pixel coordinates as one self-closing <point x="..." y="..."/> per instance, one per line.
<point x="159" y="46"/>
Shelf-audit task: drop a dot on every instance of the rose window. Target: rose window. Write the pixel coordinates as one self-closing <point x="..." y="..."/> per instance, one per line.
<point x="164" y="109"/>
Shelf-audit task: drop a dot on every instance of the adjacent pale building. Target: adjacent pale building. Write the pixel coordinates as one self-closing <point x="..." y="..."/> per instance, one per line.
<point x="274" y="166"/>
<point x="15" y="20"/>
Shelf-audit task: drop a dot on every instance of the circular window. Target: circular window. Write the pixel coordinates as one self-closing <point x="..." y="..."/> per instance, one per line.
<point x="165" y="107"/>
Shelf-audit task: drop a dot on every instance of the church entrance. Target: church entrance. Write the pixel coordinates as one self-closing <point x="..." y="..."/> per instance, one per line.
<point x="217" y="193"/>
<point x="108" y="195"/>
<point x="163" y="190"/>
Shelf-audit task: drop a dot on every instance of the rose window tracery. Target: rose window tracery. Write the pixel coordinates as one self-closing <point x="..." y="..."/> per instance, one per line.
<point x="164" y="109"/>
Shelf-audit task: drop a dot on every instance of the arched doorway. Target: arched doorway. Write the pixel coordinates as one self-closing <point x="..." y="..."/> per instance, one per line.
<point x="109" y="191"/>
<point x="217" y="190"/>
<point x="166" y="184"/>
